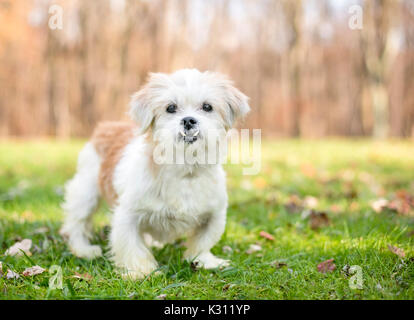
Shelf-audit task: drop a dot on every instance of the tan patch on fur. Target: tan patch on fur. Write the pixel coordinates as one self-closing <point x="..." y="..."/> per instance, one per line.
<point x="110" y="140"/>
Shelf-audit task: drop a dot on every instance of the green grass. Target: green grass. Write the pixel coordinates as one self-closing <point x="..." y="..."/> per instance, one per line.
<point x="345" y="176"/>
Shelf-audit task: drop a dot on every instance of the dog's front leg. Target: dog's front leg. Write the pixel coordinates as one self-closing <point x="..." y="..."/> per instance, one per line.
<point x="203" y="239"/>
<point x="128" y="248"/>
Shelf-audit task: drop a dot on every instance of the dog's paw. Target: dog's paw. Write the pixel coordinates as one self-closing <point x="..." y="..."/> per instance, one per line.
<point x="87" y="251"/>
<point x="209" y="261"/>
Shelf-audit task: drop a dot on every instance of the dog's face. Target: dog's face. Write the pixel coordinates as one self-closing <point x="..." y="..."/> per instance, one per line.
<point x="188" y="105"/>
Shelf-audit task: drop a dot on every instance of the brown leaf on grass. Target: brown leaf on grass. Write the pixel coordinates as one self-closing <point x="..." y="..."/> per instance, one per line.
<point x="18" y="247"/>
<point x="266" y="235"/>
<point x="318" y="219"/>
<point x="351" y="193"/>
<point x="294" y="204"/>
<point x="162" y="296"/>
<point x="227" y="286"/>
<point x="403" y="203"/>
<point x="12" y="275"/>
<point x="84" y="276"/>
<point x="406" y="196"/>
<point x="278" y="264"/>
<point x="399" y="252"/>
<point x="32" y="271"/>
<point x="326" y="266"/>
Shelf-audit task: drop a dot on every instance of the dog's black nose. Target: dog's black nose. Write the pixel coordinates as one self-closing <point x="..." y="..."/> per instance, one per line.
<point x="189" y="123"/>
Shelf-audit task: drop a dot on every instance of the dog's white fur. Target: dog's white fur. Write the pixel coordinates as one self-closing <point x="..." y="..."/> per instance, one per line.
<point x="179" y="200"/>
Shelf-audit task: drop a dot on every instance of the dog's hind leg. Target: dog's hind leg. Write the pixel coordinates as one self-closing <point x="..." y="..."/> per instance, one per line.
<point x="81" y="199"/>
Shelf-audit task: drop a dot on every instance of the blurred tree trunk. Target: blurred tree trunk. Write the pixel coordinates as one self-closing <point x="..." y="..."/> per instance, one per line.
<point x="408" y="29"/>
<point x="293" y="13"/>
<point x="376" y="53"/>
<point x="51" y="51"/>
<point x="87" y="87"/>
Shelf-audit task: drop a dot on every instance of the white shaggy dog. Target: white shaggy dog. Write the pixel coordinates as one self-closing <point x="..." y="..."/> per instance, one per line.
<point x="166" y="201"/>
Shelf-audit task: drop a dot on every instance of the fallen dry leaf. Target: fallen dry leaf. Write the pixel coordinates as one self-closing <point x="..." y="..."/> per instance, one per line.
<point x="399" y="252"/>
<point x="379" y="205"/>
<point x="402" y="203"/>
<point x="32" y="271"/>
<point x="326" y="266"/>
<point x="266" y="235"/>
<point x="18" y="247"/>
<point x="12" y="275"/>
<point x="162" y="296"/>
<point x="294" y="204"/>
<point x="228" y="286"/>
<point x="400" y="206"/>
<point x="278" y="264"/>
<point x="318" y="219"/>
<point x="310" y="202"/>
<point x="84" y="276"/>
<point x="253" y="248"/>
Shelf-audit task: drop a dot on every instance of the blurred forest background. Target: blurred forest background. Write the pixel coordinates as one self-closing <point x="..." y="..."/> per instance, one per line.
<point x="306" y="71"/>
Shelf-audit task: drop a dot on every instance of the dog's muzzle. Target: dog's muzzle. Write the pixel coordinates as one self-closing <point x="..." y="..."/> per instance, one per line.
<point x="189" y="136"/>
<point x="189" y="131"/>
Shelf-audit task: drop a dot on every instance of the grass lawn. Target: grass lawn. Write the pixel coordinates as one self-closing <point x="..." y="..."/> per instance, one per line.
<point x="339" y="179"/>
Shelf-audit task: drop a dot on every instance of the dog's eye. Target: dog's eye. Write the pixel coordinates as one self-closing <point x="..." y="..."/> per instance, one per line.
<point x="172" y="108"/>
<point x="207" y="107"/>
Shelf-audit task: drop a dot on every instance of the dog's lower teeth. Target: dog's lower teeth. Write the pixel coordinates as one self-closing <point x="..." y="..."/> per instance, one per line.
<point x="182" y="133"/>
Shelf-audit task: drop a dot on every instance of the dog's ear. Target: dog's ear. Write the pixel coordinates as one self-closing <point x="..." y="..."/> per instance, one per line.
<point x="144" y="102"/>
<point x="237" y="102"/>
